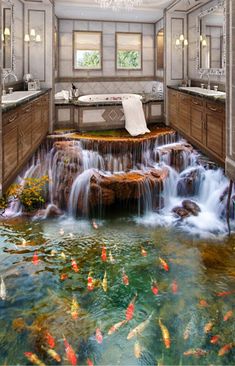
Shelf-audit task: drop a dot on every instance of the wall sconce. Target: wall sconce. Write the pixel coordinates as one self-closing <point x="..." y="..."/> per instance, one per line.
<point x="6" y="33"/>
<point x="181" y="42"/>
<point x="203" y="41"/>
<point x="32" y="37"/>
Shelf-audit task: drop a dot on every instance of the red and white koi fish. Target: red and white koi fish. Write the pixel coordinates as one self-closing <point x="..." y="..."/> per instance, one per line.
<point x="116" y="327"/>
<point x="74" y="309"/>
<point x="125" y="278"/>
<point x="94" y="224"/>
<point x="164" y="265"/>
<point x="226" y="349"/>
<point x="70" y="354"/>
<point x="34" y="359"/>
<point x="74" y="265"/>
<point x="104" y="254"/>
<point x="111" y="259"/>
<point x="49" y="340"/>
<point x="35" y="258"/>
<point x="89" y="362"/>
<point x="90" y="282"/>
<point x="165" y="334"/>
<point x="98" y="336"/>
<point x="53" y="354"/>
<point x="137" y="350"/>
<point x="228" y="315"/>
<point x="174" y="287"/>
<point x="154" y="288"/>
<point x="225" y="293"/>
<point x="3" y="291"/>
<point x="130" y="309"/>
<point x="63" y="276"/>
<point x="139" y="329"/>
<point x="143" y="252"/>
<point x="214" y="339"/>
<point x="208" y="327"/>
<point x="197" y="352"/>
<point x="203" y="303"/>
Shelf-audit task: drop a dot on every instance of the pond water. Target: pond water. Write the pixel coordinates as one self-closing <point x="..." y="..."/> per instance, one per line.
<point x="47" y="294"/>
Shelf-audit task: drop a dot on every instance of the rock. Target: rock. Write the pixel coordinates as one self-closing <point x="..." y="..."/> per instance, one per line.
<point x="177" y="155"/>
<point x="188" y="183"/>
<point x="181" y="212"/>
<point x="191" y="206"/>
<point x="50" y="212"/>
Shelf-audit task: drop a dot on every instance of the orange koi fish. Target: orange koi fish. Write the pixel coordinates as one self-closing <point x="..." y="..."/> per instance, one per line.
<point x="53" y="354"/>
<point x="154" y="288"/>
<point x="125" y="278"/>
<point x="130" y="309"/>
<point x="90" y="282"/>
<point x="35" y="258"/>
<point x="116" y="327"/>
<point x="225" y="349"/>
<point x="197" y="352"/>
<point x="63" y="276"/>
<point x="104" y="254"/>
<point x="208" y="327"/>
<point x="74" y="309"/>
<point x="34" y="359"/>
<point x="137" y="349"/>
<point x="164" y="265"/>
<point x="143" y="252"/>
<point x="105" y="282"/>
<point x="165" y="334"/>
<point x="139" y="329"/>
<point x="94" y="224"/>
<point x="49" y="340"/>
<point x="71" y="355"/>
<point x="228" y="315"/>
<point x="174" y="287"/>
<point x="215" y="339"/>
<point x="89" y="362"/>
<point x="225" y="293"/>
<point x="203" y="303"/>
<point x="98" y="336"/>
<point x="74" y="265"/>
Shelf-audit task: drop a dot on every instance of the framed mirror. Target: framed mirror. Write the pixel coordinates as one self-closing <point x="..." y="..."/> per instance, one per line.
<point x="7" y="35"/>
<point x="211" y="48"/>
<point x="160" y="50"/>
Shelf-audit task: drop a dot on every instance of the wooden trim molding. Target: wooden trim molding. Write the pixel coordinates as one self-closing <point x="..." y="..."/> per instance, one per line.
<point x="107" y="79"/>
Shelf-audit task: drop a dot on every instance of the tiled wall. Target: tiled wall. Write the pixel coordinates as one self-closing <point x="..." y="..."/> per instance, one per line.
<point x="193" y="41"/>
<point x="66" y="28"/>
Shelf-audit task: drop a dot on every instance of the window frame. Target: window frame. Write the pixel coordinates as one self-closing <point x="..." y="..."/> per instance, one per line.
<point x="101" y="51"/>
<point x="116" y="52"/>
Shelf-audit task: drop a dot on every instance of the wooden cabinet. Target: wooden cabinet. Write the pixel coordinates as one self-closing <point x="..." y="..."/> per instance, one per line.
<point x="200" y="120"/>
<point x="24" y="128"/>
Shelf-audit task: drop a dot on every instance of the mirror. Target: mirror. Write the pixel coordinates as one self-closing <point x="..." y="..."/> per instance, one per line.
<point x="211" y="40"/>
<point x="7" y="35"/>
<point x="160" y="49"/>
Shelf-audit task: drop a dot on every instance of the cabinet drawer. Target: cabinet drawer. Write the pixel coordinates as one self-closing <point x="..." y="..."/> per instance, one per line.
<point x="10" y="117"/>
<point x="197" y="102"/>
<point x="215" y="107"/>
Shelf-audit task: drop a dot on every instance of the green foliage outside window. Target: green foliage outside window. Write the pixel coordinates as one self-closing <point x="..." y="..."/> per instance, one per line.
<point x="128" y="60"/>
<point x="88" y="59"/>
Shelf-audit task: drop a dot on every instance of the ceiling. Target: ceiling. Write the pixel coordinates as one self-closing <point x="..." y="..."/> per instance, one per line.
<point x="149" y="11"/>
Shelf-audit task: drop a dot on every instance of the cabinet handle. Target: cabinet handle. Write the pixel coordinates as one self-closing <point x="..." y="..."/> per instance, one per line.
<point x="212" y="109"/>
<point x="12" y="119"/>
<point x="195" y="102"/>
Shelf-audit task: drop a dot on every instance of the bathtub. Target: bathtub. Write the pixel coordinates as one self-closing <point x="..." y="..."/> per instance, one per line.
<point x="107" y="98"/>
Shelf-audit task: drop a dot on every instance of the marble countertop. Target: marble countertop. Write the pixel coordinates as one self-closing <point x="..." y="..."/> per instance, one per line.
<point x="147" y="98"/>
<point x="9" y="106"/>
<point x="220" y="99"/>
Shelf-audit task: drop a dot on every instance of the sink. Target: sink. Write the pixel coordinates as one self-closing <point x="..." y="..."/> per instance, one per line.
<point x="211" y="93"/>
<point x="17" y="96"/>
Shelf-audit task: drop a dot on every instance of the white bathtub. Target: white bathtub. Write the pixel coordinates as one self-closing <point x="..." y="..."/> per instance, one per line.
<point x="106" y="98"/>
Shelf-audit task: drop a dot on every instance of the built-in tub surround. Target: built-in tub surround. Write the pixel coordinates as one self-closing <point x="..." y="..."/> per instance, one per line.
<point x="107" y="98"/>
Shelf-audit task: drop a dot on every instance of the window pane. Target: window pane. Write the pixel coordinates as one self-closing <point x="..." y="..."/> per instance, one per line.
<point x="87" y="50"/>
<point x="88" y="59"/>
<point x="129" y="60"/>
<point x="129" y="50"/>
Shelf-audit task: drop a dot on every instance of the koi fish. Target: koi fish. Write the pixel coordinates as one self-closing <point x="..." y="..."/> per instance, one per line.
<point x="74" y="309"/>
<point x="112" y="260"/>
<point x="130" y="309"/>
<point x="35" y="258"/>
<point x="61" y="231"/>
<point x="3" y="291"/>
<point x="203" y="303"/>
<point x="137" y="349"/>
<point x="24" y="243"/>
<point x="197" y="352"/>
<point x="63" y="276"/>
<point x="94" y="224"/>
<point x="89" y="362"/>
<point x="52" y="353"/>
<point x="165" y="334"/>
<point x="90" y="284"/>
<point x="225" y="349"/>
<point x="164" y="264"/>
<point x="71" y="355"/>
<point x="105" y="282"/>
<point x="125" y="278"/>
<point x="49" y="340"/>
<point x="228" y="315"/>
<point x="116" y="327"/>
<point x="74" y="265"/>
<point x="53" y="252"/>
<point x="154" y="288"/>
<point x="174" y="287"/>
<point x="98" y="336"/>
<point x="225" y="293"/>
<point x="143" y="252"/>
<point x="62" y="255"/>
<point x="208" y="327"/>
<point x="139" y="329"/>
<point x="104" y="254"/>
<point x="71" y="235"/>
<point x="34" y="359"/>
<point x="214" y="339"/>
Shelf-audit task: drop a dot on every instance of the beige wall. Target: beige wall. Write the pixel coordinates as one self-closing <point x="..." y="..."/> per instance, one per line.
<point x="159" y="25"/>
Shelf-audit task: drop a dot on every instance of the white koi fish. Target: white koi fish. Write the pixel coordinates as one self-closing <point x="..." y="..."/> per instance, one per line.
<point x="3" y="292"/>
<point x="139" y="329"/>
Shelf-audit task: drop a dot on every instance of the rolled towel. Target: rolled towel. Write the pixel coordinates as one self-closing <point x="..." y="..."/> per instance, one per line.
<point x="63" y="94"/>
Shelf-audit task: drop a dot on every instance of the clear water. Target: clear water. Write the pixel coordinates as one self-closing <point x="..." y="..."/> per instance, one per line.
<point x="39" y="301"/>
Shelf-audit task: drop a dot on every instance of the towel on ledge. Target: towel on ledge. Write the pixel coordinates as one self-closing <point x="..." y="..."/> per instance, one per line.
<point x="134" y="116"/>
<point x="64" y="94"/>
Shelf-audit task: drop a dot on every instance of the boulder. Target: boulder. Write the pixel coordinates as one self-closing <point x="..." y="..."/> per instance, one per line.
<point x="188" y="183"/>
<point x="191" y="207"/>
<point x="178" y="155"/>
<point x="181" y="212"/>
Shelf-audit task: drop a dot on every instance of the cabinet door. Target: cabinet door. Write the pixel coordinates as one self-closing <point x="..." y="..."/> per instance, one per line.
<point x="10" y="149"/>
<point x="197" y="131"/>
<point x="45" y="113"/>
<point x="173" y="107"/>
<point x="25" y="131"/>
<point x="37" y="127"/>
<point x="184" y="113"/>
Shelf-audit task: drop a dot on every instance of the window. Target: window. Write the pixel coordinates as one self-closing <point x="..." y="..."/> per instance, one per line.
<point x="129" y="51"/>
<point x="87" y="50"/>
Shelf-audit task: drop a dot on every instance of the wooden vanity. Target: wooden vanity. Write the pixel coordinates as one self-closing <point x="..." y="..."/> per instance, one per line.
<point x="24" y="128"/>
<point x="200" y="120"/>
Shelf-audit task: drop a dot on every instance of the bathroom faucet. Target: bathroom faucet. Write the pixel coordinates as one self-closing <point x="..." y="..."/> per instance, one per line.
<point x="4" y="77"/>
<point x="209" y="84"/>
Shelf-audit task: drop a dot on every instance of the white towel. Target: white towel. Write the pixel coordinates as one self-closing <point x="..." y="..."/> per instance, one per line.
<point x="134" y="116"/>
<point x="64" y="94"/>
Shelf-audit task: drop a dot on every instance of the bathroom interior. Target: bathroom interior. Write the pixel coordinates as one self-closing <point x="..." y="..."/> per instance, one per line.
<point x="117" y="170"/>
